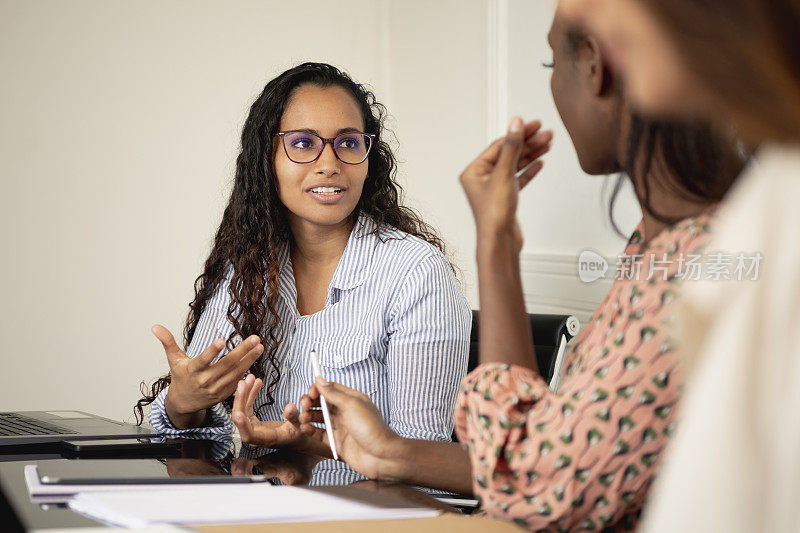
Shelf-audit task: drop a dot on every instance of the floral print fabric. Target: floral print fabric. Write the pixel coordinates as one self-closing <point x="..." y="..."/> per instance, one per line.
<point x="583" y="458"/>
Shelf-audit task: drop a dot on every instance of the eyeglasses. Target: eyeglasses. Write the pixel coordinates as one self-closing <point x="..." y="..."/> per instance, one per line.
<point x="305" y="147"/>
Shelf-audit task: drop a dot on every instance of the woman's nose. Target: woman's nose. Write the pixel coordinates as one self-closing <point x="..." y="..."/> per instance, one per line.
<point x="327" y="163"/>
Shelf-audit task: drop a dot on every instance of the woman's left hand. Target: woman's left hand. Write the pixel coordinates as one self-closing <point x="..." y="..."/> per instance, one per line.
<point x="292" y="467"/>
<point x="270" y="433"/>
<point x="490" y="181"/>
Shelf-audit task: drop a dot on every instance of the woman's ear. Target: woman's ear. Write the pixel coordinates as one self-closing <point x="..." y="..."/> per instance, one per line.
<point x="600" y="76"/>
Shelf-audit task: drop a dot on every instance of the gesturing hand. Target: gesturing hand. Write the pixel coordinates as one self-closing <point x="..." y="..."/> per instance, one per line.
<point x="269" y="433"/>
<point x="490" y="183"/>
<point x="292" y="467"/>
<point x="363" y="438"/>
<point x="197" y="383"/>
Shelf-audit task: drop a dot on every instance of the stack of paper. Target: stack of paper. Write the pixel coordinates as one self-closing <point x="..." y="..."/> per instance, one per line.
<point x="227" y="504"/>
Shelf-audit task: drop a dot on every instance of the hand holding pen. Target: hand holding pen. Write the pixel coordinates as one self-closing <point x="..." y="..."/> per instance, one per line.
<point x="324" y="406"/>
<point x="363" y="439"/>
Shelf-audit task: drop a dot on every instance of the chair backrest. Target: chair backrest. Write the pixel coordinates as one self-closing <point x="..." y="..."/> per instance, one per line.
<point x="551" y="333"/>
<point x="8" y="517"/>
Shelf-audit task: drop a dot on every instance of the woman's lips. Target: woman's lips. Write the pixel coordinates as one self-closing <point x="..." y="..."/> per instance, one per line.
<point x="327" y="195"/>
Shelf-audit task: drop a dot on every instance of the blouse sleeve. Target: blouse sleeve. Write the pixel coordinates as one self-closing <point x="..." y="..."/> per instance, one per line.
<point x="428" y="349"/>
<point x="579" y="459"/>
<point x="213" y="325"/>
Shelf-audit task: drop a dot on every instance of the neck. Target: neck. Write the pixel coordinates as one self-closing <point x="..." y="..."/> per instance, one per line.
<point x="318" y="245"/>
<point x="664" y="201"/>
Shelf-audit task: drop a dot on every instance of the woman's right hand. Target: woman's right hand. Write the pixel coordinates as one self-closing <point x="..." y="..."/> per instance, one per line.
<point x="363" y="438"/>
<point x="198" y="383"/>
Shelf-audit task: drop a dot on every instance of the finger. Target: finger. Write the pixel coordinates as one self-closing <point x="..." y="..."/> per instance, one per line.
<point x="315" y="433"/>
<point x="536" y="149"/>
<point x="336" y="393"/>
<point x="492" y="152"/>
<point x="529" y="174"/>
<point x="308" y="417"/>
<point x="240" y="398"/>
<point x="242" y="467"/>
<point x="530" y="157"/>
<point x="243" y="424"/>
<point x="238" y="353"/>
<point x="209" y="354"/>
<point x="531" y="128"/>
<point x="247" y="361"/>
<point x="306" y="403"/>
<point x="291" y="414"/>
<point x="252" y="395"/>
<point x="512" y="148"/>
<point x="540" y="140"/>
<point x="313" y="392"/>
<point x="173" y="351"/>
<point x="231" y="370"/>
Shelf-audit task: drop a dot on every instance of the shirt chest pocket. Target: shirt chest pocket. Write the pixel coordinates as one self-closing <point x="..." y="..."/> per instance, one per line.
<point x="347" y="360"/>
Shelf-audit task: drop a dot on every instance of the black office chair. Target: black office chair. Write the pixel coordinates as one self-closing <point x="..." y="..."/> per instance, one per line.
<point x="551" y="333"/>
<point x="8" y="517"/>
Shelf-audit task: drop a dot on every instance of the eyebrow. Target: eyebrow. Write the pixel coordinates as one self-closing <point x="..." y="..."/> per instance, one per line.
<point x="338" y="132"/>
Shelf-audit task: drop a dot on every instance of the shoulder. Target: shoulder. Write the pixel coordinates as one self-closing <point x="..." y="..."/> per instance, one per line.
<point x="401" y="244"/>
<point x="687" y="236"/>
<point x="221" y="298"/>
<point x="397" y="250"/>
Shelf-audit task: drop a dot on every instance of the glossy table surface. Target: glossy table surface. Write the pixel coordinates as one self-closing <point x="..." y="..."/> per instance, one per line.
<point x="204" y="458"/>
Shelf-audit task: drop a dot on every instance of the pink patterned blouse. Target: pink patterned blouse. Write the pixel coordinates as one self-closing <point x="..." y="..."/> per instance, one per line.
<point x="583" y="458"/>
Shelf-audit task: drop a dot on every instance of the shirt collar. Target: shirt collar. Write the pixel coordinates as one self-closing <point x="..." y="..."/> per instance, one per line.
<point x="356" y="261"/>
<point x="352" y="270"/>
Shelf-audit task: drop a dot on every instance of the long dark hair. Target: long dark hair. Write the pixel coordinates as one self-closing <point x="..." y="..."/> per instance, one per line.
<point x="254" y="225"/>
<point x="700" y="163"/>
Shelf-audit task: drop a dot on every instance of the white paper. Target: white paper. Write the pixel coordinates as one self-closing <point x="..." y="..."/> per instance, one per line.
<point x="222" y="504"/>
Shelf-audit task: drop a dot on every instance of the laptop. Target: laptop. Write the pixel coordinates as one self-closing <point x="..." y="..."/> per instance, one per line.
<point x="36" y="427"/>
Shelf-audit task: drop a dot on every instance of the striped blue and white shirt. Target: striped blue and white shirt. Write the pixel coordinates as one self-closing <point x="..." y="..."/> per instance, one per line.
<point x="395" y="326"/>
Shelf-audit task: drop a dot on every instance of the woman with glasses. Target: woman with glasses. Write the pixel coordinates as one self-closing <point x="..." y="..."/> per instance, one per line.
<point x="315" y="252"/>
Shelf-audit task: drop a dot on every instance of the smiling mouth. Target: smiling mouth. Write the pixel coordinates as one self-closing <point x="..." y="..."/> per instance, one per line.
<point x="327" y="191"/>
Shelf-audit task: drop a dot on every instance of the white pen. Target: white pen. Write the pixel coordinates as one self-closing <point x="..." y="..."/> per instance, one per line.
<point x="326" y="415"/>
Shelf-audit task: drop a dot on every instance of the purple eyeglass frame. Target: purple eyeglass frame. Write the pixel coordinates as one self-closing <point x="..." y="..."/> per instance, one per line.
<point x="282" y="135"/>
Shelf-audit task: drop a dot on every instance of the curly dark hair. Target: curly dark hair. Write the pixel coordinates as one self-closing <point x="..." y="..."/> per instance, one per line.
<point x="254" y="225"/>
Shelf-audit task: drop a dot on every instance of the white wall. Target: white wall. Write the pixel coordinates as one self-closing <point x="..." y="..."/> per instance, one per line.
<point x="564" y="208"/>
<point x="119" y="127"/>
<point x="563" y="211"/>
<point x="438" y="94"/>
